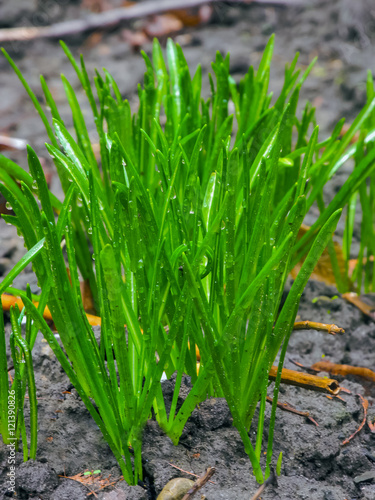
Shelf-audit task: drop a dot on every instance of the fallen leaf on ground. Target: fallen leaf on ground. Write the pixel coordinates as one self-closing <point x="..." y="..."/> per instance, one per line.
<point x="162" y="25"/>
<point x="86" y="294"/>
<point x="353" y="263"/>
<point x="134" y="38"/>
<point x="323" y="270"/>
<point x="94" y="482"/>
<point x="354" y="299"/>
<point x="193" y="17"/>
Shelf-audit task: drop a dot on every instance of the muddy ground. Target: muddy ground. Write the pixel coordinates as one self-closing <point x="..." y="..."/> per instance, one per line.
<point x="315" y="465"/>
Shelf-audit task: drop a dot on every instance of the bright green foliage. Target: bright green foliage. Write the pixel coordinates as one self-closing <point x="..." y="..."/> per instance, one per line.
<point x="279" y="462"/>
<point x="364" y="273"/>
<point x="12" y="400"/>
<point x="186" y="233"/>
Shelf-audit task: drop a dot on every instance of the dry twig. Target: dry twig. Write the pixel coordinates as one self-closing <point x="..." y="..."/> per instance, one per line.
<point x="94" y="482"/>
<point x="201" y="481"/>
<point x="291" y="409"/>
<point x="186" y="472"/>
<point x="271" y="480"/>
<point x="307" y="381"/>
<point x="365" y="408"/>
<point x="335" y="369"/>
<point x="313" y="325"/>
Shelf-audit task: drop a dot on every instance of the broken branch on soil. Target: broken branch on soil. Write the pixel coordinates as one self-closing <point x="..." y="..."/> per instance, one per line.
<point x="336" y="397"/>
<point x="201" y="481"/>
<point x="288" y="407"/>
<point x="307" y="381"/>
<point x="7" y="301"/>
<point x="307" y="369"/>
<point x="186" y="472"/>
<point x="271" y="480"/>
<point x="335" y="369"/>
<point x="365" y="408"/>
<point x="313" y="325"/>
<point x="114" y="17"/>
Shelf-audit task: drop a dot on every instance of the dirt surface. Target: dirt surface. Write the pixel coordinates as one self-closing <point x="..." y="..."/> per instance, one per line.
<point x="315" y="465"/>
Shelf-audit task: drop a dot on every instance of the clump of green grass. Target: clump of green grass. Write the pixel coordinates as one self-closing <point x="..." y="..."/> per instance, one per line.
<point x="363" y="276"/>
<point x="186" y="233"/>
<point x="12" y="400"/>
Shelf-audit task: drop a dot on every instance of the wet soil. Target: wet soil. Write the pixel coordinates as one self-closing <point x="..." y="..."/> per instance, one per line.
<point x="315" y="464"/>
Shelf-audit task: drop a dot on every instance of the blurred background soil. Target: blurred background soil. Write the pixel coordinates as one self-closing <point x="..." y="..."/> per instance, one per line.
<point x="340" y="32"/>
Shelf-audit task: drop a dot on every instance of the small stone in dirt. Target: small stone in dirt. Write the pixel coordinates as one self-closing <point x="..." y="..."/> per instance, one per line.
<point x="35" y="477"/>
<point x="352" y="460"/>
<point x="115" y="495"/>
<point x="366" y="476"/>
<point x="175" y="489"/>
<point x="125" y="492"/>
<point x="68" y="490"/>
<point x="213" y="414"/>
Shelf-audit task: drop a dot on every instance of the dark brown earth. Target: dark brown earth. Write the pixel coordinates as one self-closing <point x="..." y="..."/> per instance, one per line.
<point x="315" y="465"/>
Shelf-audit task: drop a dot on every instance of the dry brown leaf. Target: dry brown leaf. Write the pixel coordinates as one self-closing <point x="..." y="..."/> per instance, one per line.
<point x="94" y="482"/>
<point x="354" y="299"/>
<point x="323" y="270"/>
<point x="134" y="38"/>
<point x="288" y="407"/>
<point x="194" y="17"/>
<point x="93" y="40"/>
<point x="87" y="298"/>
<point x="353" y="263"/>
<point x="163" y="25"/>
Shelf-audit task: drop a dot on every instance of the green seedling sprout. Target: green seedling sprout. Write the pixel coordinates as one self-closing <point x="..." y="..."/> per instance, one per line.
<point x="278" y="464"/>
